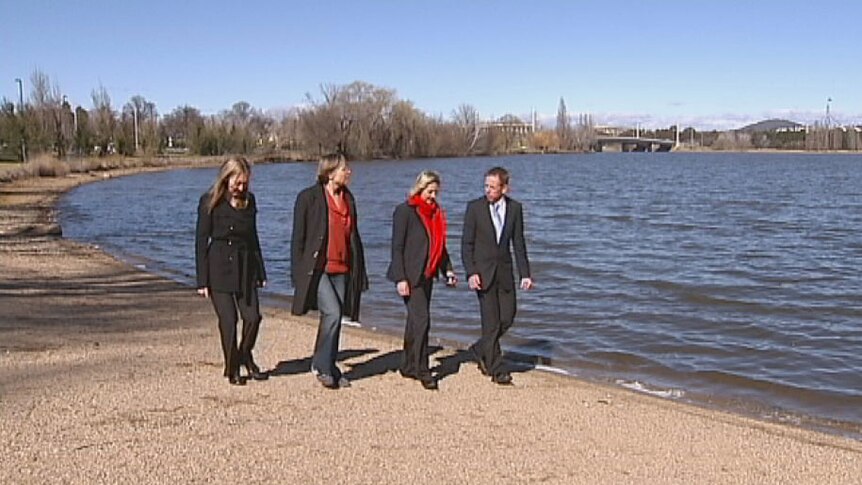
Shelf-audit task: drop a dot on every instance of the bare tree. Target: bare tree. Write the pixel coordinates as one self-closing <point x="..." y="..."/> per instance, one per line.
<point x="247" y="128"/>
<point x="584" y="134"/>
<point x="564" y="126"/>
<point x="366" y="109"/>
<point x="45" y="129"/>
<point x="104" y="121"/>
<point x="182" y="128"/>
<point x="405" y="138"/>
<point x="139" y="127"/>
<point x="732" y="140"/>
<point x="353" y="119"/>
<point x="466" y="119"/>
<point x="285" y="128"/>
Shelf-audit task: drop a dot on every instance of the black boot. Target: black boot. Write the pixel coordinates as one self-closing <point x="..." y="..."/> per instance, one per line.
<point x="236" y="380"/>
<point x="254" y="371"/>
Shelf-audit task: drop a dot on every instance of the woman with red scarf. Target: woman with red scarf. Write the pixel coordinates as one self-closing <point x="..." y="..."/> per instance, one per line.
<point x="419" y="256"/>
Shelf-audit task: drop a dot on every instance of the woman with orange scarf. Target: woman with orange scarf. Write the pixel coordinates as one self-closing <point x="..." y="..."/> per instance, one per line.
<point x="419" y="256"/>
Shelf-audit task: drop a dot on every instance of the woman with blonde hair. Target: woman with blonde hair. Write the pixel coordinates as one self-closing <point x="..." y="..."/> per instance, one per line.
<point x="419" y="256"/>
<point x="229" y="264"/>
<point x="327" y="262"/>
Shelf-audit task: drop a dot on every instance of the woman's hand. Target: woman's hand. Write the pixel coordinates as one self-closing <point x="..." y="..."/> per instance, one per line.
<point x="204" y="292"/>
<point x="403" y="288"/>
<point x="451" y="279"/>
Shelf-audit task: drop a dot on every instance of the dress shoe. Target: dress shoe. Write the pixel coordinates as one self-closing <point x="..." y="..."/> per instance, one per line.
<point x="343" y="382"/>
<point x="255" y="373"/>
<point x="327" y="381"/>
<point x="429" y="383"/>
<point x="407" y="375"/>
<point x="504" y="379"/>
<point x="478" y="358"/>
<point x="236" y="380"/>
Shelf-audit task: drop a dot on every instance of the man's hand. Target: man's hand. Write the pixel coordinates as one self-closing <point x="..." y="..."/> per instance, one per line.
<point x="403" y="288"/>
<point x="475" y="282"/>
<point x="204" y="292"/>
<point x="526" y="283"/>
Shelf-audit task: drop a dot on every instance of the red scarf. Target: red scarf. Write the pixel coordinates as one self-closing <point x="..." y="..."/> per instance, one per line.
<point x="434" y="220"/>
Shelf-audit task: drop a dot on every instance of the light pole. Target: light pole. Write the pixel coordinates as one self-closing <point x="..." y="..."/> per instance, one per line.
<point x="135" y="109"/>
<point x="828" y="124"/>
<point x="21" y="113"/>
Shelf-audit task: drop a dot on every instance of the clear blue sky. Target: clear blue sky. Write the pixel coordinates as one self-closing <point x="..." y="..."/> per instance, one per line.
<point x="709" y="64"/>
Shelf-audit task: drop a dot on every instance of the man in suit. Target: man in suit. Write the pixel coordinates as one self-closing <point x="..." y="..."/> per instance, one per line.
<point x="493" y="226"/>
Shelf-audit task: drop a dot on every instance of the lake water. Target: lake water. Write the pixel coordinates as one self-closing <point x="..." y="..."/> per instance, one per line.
<point x="731" y="280"/>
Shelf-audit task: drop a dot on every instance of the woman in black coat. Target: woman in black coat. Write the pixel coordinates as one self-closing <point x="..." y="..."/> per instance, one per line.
<point x="230" y="265"/>
<point x="327" y="262"/>
<point x="419" y="256"/>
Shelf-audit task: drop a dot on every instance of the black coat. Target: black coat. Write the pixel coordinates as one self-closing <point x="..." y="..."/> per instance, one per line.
<point x="308" y="252"/>
<point x="410" y="246"/>
<point x="480" y="251"/>
<point x="227" y="248"/>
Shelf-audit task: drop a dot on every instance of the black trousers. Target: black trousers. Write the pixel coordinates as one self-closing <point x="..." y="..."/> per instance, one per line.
<point x="415" y="358"/>
<point x="226" y="306"/>
<point x="497" y="307"/>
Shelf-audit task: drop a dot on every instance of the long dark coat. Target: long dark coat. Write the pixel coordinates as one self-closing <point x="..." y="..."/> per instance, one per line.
<point x="227" y="248"/>
<point x="410" y="248"/>
<point x="308" y="252"/>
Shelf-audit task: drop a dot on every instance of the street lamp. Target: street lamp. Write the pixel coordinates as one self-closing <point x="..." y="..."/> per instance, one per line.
<point x="20" y="94"/>
<point x="21" y="113"/>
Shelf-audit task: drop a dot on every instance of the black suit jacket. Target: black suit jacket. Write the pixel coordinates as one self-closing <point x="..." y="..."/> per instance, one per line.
<point x="480" y="252"/>
<point x="227" y="248"/>
<point x="410" y="246"/>
<point x="308" y="252"/>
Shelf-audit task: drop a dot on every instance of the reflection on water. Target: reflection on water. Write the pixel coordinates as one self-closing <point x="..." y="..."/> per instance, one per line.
<point x="726" y="277"/>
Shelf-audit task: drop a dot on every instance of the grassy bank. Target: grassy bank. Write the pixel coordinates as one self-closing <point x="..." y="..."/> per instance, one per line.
<point x="45" y="166"/>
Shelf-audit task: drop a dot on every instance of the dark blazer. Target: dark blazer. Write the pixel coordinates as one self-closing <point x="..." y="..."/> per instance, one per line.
<point x="479" y="249"/>
<point x="308" y="252"/>
<point x="410" y="248"/>
<point x="227" y="248"/>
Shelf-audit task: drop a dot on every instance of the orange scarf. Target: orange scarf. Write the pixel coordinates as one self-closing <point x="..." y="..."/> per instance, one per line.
<point x="434" y="219"/>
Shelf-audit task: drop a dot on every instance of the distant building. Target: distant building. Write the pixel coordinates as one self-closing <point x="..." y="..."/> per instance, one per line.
<point x="510" y="124"/>
<point x="515" y="134"/>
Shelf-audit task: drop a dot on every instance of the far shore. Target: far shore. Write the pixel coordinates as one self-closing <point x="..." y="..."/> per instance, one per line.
<point x="109" y="374"/>
<point x="49" y="166"/>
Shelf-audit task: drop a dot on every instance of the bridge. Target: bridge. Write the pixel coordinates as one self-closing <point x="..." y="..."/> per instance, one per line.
<point x="634" y="144"/>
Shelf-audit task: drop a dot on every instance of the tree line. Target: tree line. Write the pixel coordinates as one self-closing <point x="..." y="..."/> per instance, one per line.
<point x="359" y="119"/>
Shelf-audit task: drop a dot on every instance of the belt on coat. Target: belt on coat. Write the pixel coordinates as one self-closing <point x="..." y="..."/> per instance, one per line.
<point x="242" y="264"/>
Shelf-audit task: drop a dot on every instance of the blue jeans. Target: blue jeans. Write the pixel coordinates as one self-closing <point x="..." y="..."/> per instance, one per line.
<point x="330" y="299"/>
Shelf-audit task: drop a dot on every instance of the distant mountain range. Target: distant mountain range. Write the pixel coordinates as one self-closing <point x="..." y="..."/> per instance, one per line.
<point x="771" y="125"/>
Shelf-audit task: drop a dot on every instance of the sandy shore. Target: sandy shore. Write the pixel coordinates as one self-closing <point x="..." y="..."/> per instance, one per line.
<point x="112" y="375"/>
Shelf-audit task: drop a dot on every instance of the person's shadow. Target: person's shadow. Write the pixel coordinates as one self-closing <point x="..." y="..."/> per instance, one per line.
<point x="451" y="364"/>
<point x="375" y="366"/>
<point x="302" y="366"/>
<point x="533" y="353"/>
<point x="514" y="361"/>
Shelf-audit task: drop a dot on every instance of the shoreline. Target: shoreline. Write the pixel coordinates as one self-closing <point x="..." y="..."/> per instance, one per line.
<point x="111" y="374"/>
